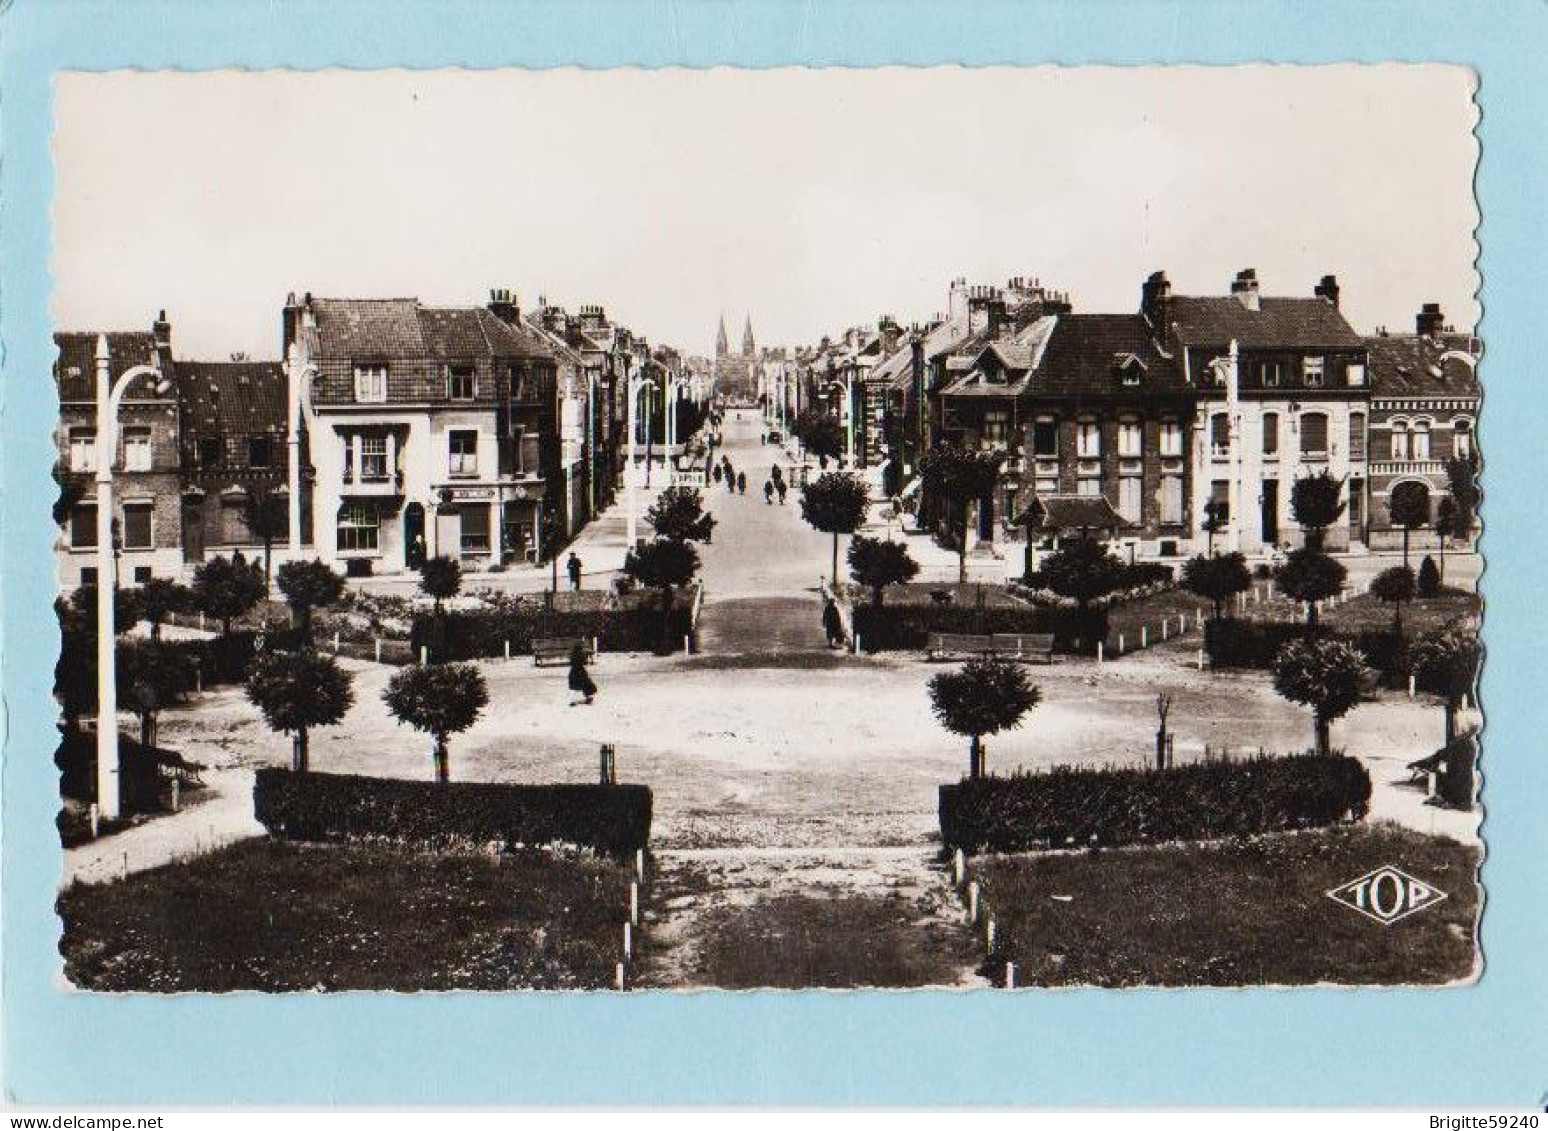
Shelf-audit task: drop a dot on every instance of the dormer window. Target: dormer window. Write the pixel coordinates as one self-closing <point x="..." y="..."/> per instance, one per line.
<point x="371" y="384"/>
<point x="1129" y="367"/>
<point x="1269" y="374"/>
<point x="461" y="382"/>
<point x="1356" y="374"/>
<point x="1312" y="370"/>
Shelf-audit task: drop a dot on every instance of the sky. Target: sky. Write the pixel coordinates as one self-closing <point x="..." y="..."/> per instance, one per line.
<point x="812" y="200"/>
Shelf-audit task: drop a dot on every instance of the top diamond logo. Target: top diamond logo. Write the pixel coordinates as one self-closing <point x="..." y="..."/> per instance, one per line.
<point x="1386" y="895"/>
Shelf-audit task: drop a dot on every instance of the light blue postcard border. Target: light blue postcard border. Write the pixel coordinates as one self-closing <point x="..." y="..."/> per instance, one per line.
<point x="1472" y="1046"/>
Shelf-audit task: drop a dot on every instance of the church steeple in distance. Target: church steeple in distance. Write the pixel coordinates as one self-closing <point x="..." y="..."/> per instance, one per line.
<point x="748" y="348"/>
<point x="722" y="346"/>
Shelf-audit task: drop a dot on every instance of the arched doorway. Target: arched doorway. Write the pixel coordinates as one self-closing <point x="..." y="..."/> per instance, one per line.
<point x="414" y="535"/>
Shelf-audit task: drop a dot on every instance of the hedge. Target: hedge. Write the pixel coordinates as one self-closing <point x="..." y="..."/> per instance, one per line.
<point x="484" y="633"/>
<point x="1081" y="808"/>
<point x="140" y="784"/>
<point x="610" y="818"/>
<point x="908" y="627"/>
<point x="221" y="659"/>
<point x="1455" y="783"/>
<point x="1233" y="643"/>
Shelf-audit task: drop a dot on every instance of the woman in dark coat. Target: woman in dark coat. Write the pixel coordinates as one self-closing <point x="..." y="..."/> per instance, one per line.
<point x="581" y="682"/>
<point x="741" y="482"/>
<point x="832" y="623"/>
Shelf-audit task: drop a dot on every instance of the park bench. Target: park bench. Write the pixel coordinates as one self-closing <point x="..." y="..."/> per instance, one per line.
<point x="557" y="650"/>
<point x="1011" y="645"/>
<point x="1419" y="772"/>
<point x="174" y="767"/>
<point x="1036" y="647"/>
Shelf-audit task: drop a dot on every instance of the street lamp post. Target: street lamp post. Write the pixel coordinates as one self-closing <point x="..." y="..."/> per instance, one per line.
<point x="109" y="396"/>
<point x="298" y="376"/>
<point x="637" y="383"/>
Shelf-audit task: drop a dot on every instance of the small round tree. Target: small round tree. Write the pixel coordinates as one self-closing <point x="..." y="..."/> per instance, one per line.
<point x="835" y="503"/>
<point x="298" y="692"/>
<point x="440" y="579"/>
<point x="308" y="586"/>
<point x="876" y="564"/>
<point x="1395" y="586"/>
<point x="1429" y="583"/>
<point x="1316" y="502"/>
<point x="227" y="588"/>
<point x="1448" y="525"/>
<point x="678" y="514"/>
<point x="1446" y="661"/>
<point x="441" y="701"/>
<point x="267" y="514"/>
<point x="1216" y="520"/>
<point x="151" y="676"/>
<point x="1409" y="507"/>
<point x="982" y="697"/>
<point x="960" y="478"/>
<point x="1310" y="575"/>
<point x="1217" y="579"/>
<point x="1329" y="676"/>
<point x="666" y="565"/>
<point x="160" y="597"/>
<point x="1082" y="569"/>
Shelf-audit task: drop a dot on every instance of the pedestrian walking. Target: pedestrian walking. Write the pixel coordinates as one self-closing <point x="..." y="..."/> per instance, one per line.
<point x="574" y="568"/>
<point x="832" y="623"/>
<point x="768" y="492"/>
<point x="779" y="485"/>
<point x="741" y="482"/>
<point x="581" y="683"/>
<point x="717" y="473"/>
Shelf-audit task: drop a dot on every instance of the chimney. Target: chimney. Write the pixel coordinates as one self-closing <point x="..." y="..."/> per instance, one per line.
<point x="1244" y="288"/>
<point x="1155" y="301"/>
<point x="1429" y="322"/>
<point x="1328" y="289"/>
<point x="986" y="310"/>
<point x="161" y="331"/>
<point x="957" y="299"/>
<point x="503" y="305"/>
<point x="887" y="326"/>
<point x="592" y="318"/>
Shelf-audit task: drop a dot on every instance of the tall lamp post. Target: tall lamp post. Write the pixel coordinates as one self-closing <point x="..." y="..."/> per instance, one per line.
<point x="109" y="397"/>
<point x="298" y="387"/>
<point x="637" y="382"/>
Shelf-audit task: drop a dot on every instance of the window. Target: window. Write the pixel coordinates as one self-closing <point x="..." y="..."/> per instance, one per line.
<point x="1311" y="371"/>
<point x="1269" y="374"/>
<point x="142" y="574"/>
<point x="137" y="449"/>
<point x="359" y="528"/>
<point x="475" y="530"/>
<point x="996" y="425"/>
<point x="209" y="452"/>
<point x="260" y="451"/>
<point x="1419" y="441"/>
<point x="1271" y="433"/>
<point x="527" y="453"/>
<point x="373" y="457"/>
<point x="371" y="384"/>
<point x="89" y="577"/>
<point x="1355" y="373"/>
<point x="1089" y="481"/>
<point x="83" y="527"/>
<point x="1314" y="434"/>
<point x="1220" y="499"/>
<point x="1088" y="439"/>
<point x="1219" y="435"/>
<point x="137" y="526"/>
<point x="1130" y="484"/>
<point x="1357" y="435"/>
<point x="1130" y="438"/>
<point x="463" y="449"/>
<point x="1172" y="499"/>
<point x="1047" y="482"/>
<point x="523" y="385"/>
<point x="1399" y="440"/>
<point x="461" y="382"/>
<point x="1045" y="438"/>
<point x="233" y="521"/>
<point x="1462" y="439"/>
<point x="1171" y="439"/>
<point x="83" y="449"/>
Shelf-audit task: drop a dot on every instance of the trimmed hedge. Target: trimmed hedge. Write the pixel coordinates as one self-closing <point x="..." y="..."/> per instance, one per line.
<point x="483" y="633"/>
<point x="221" y="659"/>
<point x="908" y="627"/>
<point x="614" y="819"/>
<point x="140" y="784"/>
<point x="1083" y="808"/>
<point x="1455" y="784"/>
<point x="1232" y="643"/>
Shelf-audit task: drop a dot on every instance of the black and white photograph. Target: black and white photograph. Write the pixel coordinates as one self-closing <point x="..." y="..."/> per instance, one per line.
<point x="634" y="530"/>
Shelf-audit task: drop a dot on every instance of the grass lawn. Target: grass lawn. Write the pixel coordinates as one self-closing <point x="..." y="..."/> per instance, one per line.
<point x="920" y="593"/>
<point x="1231" y="913"/>
<point x="1366" y="613"/>
<point x="273" y="915"/>
<point x="829" y="941"/>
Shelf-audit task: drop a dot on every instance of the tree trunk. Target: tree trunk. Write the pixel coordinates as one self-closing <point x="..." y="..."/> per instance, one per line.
<point x="299" y="762"/>
<point x="1405" y="547"/>
<point x="1311" y="616"/>
<point x="1397" y="619"/>
<point x="1323" y="729"/>
<point x="876" y="593"/>
<point x="976" y="758"/>
<point x="962" y="535"/>
<point x="833" y="577"/>
<point x="442" y="760"/>
<point x="1161" y="749"/>
<point x="1451" y="721"/>
<point x="1442" y="571"/>
<point x="145" y="729"/>
<point x="268" y="564"/>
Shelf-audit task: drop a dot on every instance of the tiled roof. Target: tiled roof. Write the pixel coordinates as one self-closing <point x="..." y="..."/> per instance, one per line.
<point x="1070" y="512"/>
<point x="1216" y="320"/>
<point x="75" y="370"/>
<point x="401" y="328"/>
<point x="233" y="397"/>
<point x="1080" y="357"/>
<point x="896" y="368"/>
<point x="1411" y="366"/>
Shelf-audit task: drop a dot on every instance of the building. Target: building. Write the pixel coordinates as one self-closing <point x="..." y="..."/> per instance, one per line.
<point x="1424" y="413"/>
<point x="147" y="520"/>
<point x="736" y="373"/>
<point x="433" y="431"/>
<point x="1283" y="392"/>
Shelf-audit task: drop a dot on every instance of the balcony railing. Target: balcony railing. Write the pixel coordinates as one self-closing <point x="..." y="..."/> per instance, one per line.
<point x="1408" y="467"/>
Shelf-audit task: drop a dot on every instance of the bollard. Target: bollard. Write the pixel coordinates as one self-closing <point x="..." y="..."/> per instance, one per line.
<point x="177" y="794"/>
<point x="1099" y="651"/>
<point x="378" y="649"/>
<point x="618" y="976"/>
<point x="1201" y="659"/>
<point x="1144" y="636"/>
<point x="1120" y="644"/>
<point x="989" y="936"/>
<point x="201" y="622"/>
<point x="857" y="643"/>
<point x="1433" y="783"/>
<point x="687" y="647"/>
<point x="424" y="656"/>
<point x="634" y="902"/>
<point x="1166" y="623"/>
<point x="1010" y="975"/>
<point x="973" y="901"/>
<point x="96" y="820"/>
<point x="507" y="649"/>
<point x="335" y="642"/>
<point x="959" y="867"/>
<point x="1411" y="687"/>
<point x="639" y="862"/>
<point x="1198" y="618"/>
<point x="1467" y="701"/>
<point x="628" y="941"/>
<point x="596" y="645"/>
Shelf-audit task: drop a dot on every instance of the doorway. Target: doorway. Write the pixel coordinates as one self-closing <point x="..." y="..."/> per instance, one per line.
<point x="1270" y="518"/>
<point x="414" y="535"/>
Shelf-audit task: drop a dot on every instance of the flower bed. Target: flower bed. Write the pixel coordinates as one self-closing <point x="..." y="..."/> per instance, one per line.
<point x="1079" y="808"/>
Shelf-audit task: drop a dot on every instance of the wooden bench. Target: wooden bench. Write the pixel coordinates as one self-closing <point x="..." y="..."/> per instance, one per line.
<point x="557" y="650"/>
<point x="1033" y="647"/>
<point x="173" y="766"/>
